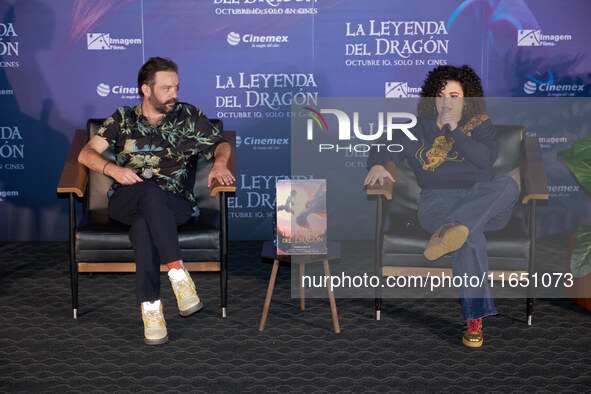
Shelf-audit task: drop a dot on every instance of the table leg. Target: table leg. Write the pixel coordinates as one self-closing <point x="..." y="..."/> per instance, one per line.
<point x="302" y="290"/>
<point x="269" y="294"/>
<point x="331" y="300"/>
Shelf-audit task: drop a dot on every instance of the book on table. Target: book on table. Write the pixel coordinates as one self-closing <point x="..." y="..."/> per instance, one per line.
<point x="301" y="216"/>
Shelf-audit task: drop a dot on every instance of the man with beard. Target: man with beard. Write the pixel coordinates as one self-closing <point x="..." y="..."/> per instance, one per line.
<point x="154" y="143"/>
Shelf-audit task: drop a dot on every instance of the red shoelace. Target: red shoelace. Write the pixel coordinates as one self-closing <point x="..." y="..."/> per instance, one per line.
<point x="474" y="325"/>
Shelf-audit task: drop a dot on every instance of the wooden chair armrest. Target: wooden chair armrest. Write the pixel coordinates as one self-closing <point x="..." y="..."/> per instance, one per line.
<point x="385" y="189"/>
<point x="533" y="172"/>
<point x="217" y="187"/>
<point x="74" y="175"/>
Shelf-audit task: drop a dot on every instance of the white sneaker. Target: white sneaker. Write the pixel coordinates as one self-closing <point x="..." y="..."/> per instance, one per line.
<point x="154" y="325"/>
<point x="184" y="290"/>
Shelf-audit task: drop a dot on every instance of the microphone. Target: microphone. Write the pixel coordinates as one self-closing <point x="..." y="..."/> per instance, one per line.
<point x="447" y="127"/>
<point x="146" y="173"/>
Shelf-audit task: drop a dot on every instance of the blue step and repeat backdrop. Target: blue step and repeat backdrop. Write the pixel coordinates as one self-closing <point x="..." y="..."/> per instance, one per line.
<point x="245" y="61"/>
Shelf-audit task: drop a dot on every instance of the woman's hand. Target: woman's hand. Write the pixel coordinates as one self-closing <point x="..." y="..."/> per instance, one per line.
<point x="449" y="118"/>
<point x="377" y="174"/>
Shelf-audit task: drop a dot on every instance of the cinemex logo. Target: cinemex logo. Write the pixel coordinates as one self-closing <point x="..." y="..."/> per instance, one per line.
<point x="344" y="130"/>
<point x="256" y="41"/>
<point x="233" y="38"/>
<point x="103" y="41"/>
<point x="548" y="87"/>
<point x="535" y="38"/>
<point x="401" y="89"/>
<point x="104" y="90"/>
<point x="262" y="143"/>
<point x="563" y="190"/>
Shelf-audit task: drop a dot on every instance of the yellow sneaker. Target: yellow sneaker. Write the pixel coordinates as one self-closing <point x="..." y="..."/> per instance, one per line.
<point x="154" y="325"/>
<point x="447" y="238"/>
<point x="184" y="290"/>
<point x="472" y="335"/>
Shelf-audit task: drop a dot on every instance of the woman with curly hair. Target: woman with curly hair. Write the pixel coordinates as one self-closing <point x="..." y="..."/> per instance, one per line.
<point x="460" y="198"/>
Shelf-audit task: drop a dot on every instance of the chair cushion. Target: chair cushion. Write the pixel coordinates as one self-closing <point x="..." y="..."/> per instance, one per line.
<point x="99" y="238"/>
<point x="405" y="240"/>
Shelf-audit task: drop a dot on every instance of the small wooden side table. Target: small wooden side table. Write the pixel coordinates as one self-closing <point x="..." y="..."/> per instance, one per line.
<point x="270" y="252"/>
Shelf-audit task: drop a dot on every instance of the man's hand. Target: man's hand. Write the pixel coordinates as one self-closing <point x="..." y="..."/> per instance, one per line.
<point x="221" y="173"/>
<point x="377" y="173"/>
<point x="123" y="175"/>
<point x="90" y="156"/>
<point x="220" y="170"/>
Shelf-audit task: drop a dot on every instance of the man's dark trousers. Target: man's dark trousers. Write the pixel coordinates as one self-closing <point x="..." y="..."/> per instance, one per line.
<point x="154" y="215"/>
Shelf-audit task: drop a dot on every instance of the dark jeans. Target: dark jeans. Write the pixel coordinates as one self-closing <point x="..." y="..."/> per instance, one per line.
<point x="486" y="206"/>
<point x="153" y="215"/>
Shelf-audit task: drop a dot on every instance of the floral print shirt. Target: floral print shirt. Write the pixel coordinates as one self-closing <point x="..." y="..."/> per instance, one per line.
<point x="167" y="149"/>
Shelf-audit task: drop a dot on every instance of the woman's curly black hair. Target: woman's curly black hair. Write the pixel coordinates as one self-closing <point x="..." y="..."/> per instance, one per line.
<point x="436" y="81"/>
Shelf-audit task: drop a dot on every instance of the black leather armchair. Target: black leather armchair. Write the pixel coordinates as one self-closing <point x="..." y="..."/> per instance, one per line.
<point x="99" y="244"/>
<point x="400" y="240"/>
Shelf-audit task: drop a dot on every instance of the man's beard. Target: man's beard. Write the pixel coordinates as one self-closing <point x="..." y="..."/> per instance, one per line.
<point x="160" y="106"/>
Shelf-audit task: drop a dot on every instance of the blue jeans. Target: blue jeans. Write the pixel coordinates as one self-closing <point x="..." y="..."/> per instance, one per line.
<point x="486" y="206"/>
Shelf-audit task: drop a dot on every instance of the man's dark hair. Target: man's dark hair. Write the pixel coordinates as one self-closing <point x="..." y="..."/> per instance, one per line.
<point x="436" y="81"/>
<point x="149" y="70"/>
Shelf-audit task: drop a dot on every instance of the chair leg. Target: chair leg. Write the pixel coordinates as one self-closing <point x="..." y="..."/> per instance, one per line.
<point x="224" y="280"/>
<point x="530" y="308"/>
<point x="73" y="265"/>
<point x="302" y="290"/>
<point x="532" y="260"/>
<point x="378" y="309"/>
<point x="74" y="285"/>
<point x="224" y="283"/>
<point x="378" y="255"/>
<point x="224" y="252"/>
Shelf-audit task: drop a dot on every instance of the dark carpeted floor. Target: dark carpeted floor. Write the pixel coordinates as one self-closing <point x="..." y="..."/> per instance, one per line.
<point x="415" y="347"/>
